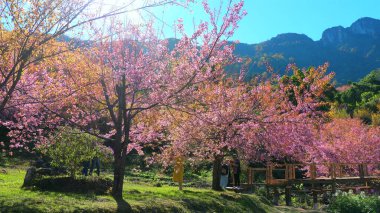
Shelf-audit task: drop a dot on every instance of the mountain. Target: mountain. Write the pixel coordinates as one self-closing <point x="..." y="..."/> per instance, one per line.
<point x="352" y="52"/>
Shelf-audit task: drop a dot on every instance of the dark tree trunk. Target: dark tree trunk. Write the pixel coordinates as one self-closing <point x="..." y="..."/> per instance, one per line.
<point x="216" y="172"/>
<point x="119" y="146"/>
<point x="118" y="180"/>
<point x="117" y="187"/>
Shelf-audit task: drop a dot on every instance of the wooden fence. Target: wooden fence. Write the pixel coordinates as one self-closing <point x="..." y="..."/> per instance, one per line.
<point x="316" y="177"/>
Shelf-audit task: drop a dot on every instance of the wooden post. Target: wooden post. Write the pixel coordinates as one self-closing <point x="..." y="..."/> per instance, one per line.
<point x="315" y="198"/>
<point x="293" y="172"/>
<point x="287" y="172"/>
<point x="361" y="171"/>
<point x="250" y="176"/>
<point x="289" y="175"/>
<point x="333" y="187"/>
<point x="313" y="171"/>
<point x="276" y="196"/>
<point x="268" y="178"/>
<point x="365" y="169"/>
<point x="253" y="181"/>
<point x="333" y="172"/>
<point x="333" y="177"/>
<point x="340" y="170"/>
<point x="290" y="172"/>
<point x="288" y="195"/>
<point x="269" y="173"/>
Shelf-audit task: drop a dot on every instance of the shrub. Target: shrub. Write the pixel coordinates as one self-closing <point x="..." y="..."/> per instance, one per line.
<point x="351" y="203"/>
<point x="339" y="113"/>
<point x="69" y="148"/>
<point x="364" y="115"/>
<point x="376" y="119"/>
<point x="85" y="185"/>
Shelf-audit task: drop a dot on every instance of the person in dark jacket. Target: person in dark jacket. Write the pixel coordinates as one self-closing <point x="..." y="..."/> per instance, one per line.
<point x="230" y="173"/>
<point x="236" y="171"/>
<point x="95" y="163"/>
<point x="86" y="165"/>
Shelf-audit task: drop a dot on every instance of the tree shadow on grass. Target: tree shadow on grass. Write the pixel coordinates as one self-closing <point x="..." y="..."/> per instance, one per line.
<point x="27" y="205"/>
<point x="122" y="205"/>
<point x="221" y="202"/>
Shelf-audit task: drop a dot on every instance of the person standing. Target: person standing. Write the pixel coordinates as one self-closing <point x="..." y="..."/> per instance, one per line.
<point x="86" y="165"/>
<point x="95" y="163"/>
<point x="224" y="176"/>
<point x="178" y="171"/>
<point x="236" y="171"/>
<point x="230" y="173"/>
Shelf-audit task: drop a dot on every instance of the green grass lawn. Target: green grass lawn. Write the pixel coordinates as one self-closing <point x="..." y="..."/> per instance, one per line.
<point x="143" y="197"/>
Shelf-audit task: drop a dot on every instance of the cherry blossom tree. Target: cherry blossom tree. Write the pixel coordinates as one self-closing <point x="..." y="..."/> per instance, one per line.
<point x="130" y="73"/>
<point x="208" y="128"/>
<point x="267" y="118"/>
<point x="29" y="30"/>
<point x="347" y="141"/>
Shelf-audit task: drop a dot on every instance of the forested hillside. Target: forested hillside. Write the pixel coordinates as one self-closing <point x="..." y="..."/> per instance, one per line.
<point x="352" y="52"/>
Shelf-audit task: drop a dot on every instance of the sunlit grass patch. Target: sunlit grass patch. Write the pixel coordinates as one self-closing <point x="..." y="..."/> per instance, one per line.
<point x="143" y="197"/>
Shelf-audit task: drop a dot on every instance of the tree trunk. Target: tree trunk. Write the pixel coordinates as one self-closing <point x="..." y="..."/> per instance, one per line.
<point x="216" y="172"/>
<point x="118" y="179"/>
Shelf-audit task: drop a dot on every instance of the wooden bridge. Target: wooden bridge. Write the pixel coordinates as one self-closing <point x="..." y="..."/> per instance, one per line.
<point x="316" y="178"/>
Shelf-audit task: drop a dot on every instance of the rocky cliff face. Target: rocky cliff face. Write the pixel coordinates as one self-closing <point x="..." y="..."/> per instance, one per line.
<point x="335" y="35"/>
<point x="367" y="27"/>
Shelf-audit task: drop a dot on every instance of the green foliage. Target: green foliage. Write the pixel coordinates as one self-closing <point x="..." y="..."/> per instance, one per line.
<point x="351" y="203"/>
<point x="84" y="185"/>
<point x="362" y="99"/>
<point x="364" y="115"/>
<point x="373" y="78"/>
<point x="69" y="148"/>
<point x="339" y="113"/>
<point x="350" y="96"/>
<point x="376" y="119"/>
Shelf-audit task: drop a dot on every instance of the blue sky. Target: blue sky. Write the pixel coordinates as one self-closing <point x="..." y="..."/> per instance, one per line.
<point x="268" y="18"/>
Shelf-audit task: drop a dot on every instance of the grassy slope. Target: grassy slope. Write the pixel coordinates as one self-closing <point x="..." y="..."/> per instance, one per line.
<point x="142" y="198"/>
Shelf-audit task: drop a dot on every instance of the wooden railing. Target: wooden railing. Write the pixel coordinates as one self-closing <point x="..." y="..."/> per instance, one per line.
<point x="342" y="173"/>
<point x="335" y="170"/>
